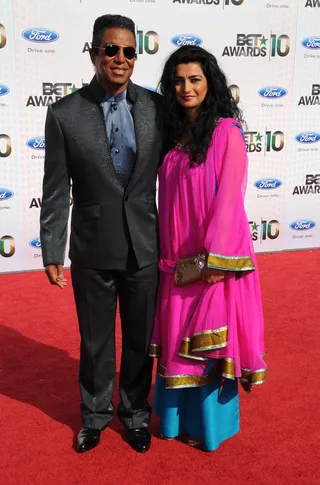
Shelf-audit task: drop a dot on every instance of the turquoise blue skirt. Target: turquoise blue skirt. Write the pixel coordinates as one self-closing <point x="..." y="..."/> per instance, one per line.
<point x="200" y="412"/>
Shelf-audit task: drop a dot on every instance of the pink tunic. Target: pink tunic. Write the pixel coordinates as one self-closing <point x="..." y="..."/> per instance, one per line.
<point x="202" y="209"/>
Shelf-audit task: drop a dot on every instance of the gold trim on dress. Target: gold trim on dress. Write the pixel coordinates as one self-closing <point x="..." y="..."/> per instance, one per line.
<point x="182" y="381"/>
<point x="227" y="368"/>
<point x="186" y="350"/>
<point x="203" y="341"/>
<point x="230" y="263"/>
<point x="210" y="339"/>
<point x="223" y="366"/>
<point x="154" y="350"/>
<point x="161" y="370"/>
<point x="254" y="378"/>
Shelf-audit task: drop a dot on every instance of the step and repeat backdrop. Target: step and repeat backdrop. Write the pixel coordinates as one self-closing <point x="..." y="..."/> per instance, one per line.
<point x="270" y="52"/>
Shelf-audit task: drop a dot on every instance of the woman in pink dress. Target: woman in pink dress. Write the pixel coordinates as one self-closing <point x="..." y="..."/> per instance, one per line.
<point x="208" y="335"/>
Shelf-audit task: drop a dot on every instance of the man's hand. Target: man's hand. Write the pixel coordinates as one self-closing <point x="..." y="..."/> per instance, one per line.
<point x="211" y="275"/>
<point x="55" y="275"/>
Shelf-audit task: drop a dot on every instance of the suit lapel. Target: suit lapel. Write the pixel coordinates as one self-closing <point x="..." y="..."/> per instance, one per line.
<point x="100" y="133"/>
<point x="144" y="117"/>
<point x="143" y="130"/>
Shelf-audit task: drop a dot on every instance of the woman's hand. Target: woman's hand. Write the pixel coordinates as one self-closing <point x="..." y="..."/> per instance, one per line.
<point x="211" y="275"/>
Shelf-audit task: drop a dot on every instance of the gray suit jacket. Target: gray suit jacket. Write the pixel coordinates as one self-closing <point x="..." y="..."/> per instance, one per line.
<point x="106" y="218"/>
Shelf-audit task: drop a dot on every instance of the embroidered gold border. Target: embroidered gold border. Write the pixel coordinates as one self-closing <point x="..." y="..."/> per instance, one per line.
<point x="230" y="263"/>
<point x="253" y="378"/>
<point x="182" y="381"/>
<point x="202" y="341"/>
<point x="161" y="370"/>
<point x="225" y="367"/>
<point x="154" y="350"/>
<point x="210" y="339"/>
<point x="186" y="350"/>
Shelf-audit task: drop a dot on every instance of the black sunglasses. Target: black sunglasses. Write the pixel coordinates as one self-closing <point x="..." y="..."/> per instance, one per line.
<point x="111" y="50"/>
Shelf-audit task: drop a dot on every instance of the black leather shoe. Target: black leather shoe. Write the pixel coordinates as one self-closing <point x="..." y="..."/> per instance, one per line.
<point x="87" y="439"/>
<point x="139" y="439"/>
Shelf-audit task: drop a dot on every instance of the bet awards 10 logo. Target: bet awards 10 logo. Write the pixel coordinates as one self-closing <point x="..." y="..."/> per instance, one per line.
<point x="5" y="145"/>
<point x="257" y="45"/>
<point x="269" y="141"/>
<point x="3" y="36"/>
<point x="147" y="43"/>
<point x="311" y="186"/>
<point x="7" y="246"/>
<point x="225" y="3"/>
<point x="313" y="99"/>
<point x="312" y="3"/>
<point x="51" y="92"/>
<point x="265" y="230"/>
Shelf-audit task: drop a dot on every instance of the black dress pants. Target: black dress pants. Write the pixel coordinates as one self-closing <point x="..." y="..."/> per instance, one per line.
<point x="96" y="293"/>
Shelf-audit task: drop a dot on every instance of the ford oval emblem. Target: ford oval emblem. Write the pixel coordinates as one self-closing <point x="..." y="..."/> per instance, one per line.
<point x="272" y="92"/>
<point x="185" y="39"/>
<point x="40" y="35"/>
<point x="308" y="137"/>
<point x="37" y="143"/>
<point x="4" y="90"/>
<point x="268" y="184"/>
<point x="35" y="243"/>
<point x="5" y="194"/>
<point x="312" y="42"/>
<point x="302" y="225"/>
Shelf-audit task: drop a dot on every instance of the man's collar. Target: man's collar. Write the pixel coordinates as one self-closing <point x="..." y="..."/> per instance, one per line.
<point x="120" y="97"/>
<point x="99" y="93"/>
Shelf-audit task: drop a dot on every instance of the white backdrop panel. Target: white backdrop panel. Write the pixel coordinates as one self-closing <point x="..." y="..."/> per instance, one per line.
<point x="270" y="52"/>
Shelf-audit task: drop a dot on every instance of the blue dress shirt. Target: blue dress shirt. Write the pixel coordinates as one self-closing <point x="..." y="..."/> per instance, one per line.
<point x="121" y="134"/>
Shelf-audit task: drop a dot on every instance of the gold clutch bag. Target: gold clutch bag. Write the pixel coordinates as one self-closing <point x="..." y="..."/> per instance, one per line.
<point x="189" y="270"/>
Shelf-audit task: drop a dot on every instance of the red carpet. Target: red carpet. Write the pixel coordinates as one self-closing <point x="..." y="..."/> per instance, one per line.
<point x="279" y="440"/>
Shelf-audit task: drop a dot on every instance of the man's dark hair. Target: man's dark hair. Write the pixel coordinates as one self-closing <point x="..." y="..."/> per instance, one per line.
<point x="109" y="22"/>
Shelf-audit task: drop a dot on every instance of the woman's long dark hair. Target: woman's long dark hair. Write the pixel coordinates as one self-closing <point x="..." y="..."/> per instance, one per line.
<point x="218" y="103"/>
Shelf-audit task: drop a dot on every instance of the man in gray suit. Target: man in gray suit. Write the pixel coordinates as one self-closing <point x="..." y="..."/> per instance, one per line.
<point x="105" y="140"/>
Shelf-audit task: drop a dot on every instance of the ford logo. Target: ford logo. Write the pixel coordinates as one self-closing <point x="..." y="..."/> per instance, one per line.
<point x="5" y="194"/>
<point x="37" y="143"/>
<point x="311" y="42"/>
<point x="185" y="39"/>
<point x="302" y="225"/>
<point x="35" y="243"/>
<point x="272" y="92"/>
<point x="268" y="184"/>
<point x="4" y="90"/>
<point x="308" y="137"/>
<point x="40" y="35"/>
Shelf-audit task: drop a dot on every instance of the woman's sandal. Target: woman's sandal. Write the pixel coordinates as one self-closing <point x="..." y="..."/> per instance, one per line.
<point x="193" y="442"/>
<point x="166" y="438"/>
